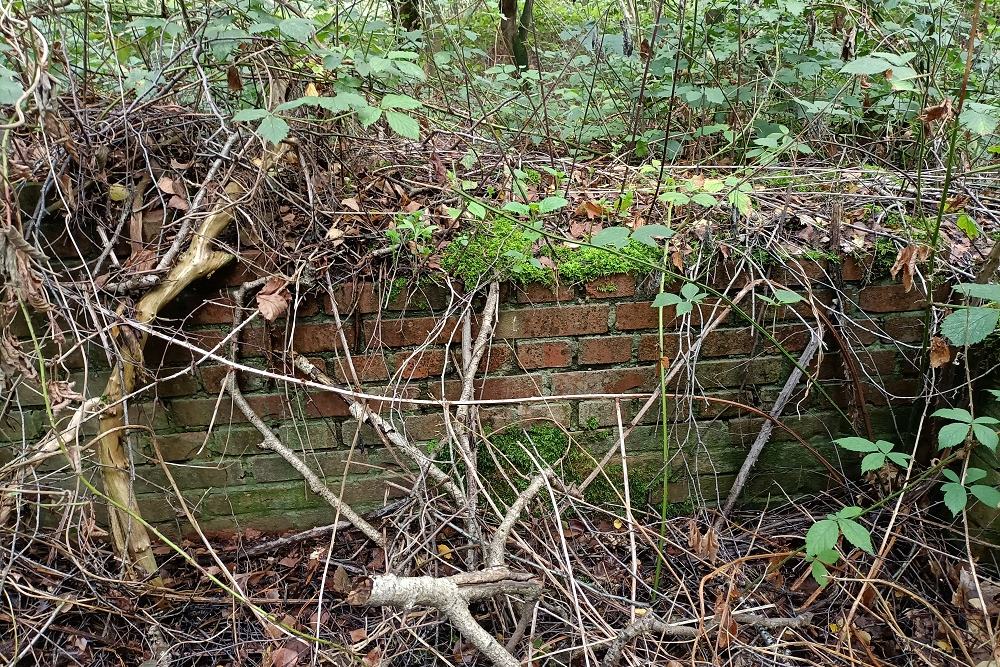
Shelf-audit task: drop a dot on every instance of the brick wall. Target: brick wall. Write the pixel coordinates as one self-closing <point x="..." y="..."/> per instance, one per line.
<point x="597" y="338"/>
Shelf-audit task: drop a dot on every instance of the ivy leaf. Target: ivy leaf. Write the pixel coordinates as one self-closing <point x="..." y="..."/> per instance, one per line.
<point x="872" y="462"/>
<point x="249" y="114"/>
<point x="987" y="436"/>
<point x="952" y="435"/>
<point x="867" y="66"/>
<point x="954" y="414"/>
<point x="404" y="102"/>
<point x="403" y="124"/>
<point x="820" y="573"/>
<point x="822" y="536"/>
<point x="648" y="234"/>
<point x="969" y="326"/>
<point x="273" y="129"/>
<point x="616" y="237"/>
<point x="856" y="444"/>
<point x="900" y="459"/>
<point x="664" y="299"/>
<point x="955" y="497"/>
<point x="987" y="495"/>
<point x="990" y="292"/>
<point x="477" y="210"/>
<point x="297" y="28"/>
<point x="368" y="115"/>
<point x="551" y="203"/>
<point x="784" y="296"/>
<point x="857" y="535"/>
<point x="969" y="226"/>
<point x="978" y="122"/>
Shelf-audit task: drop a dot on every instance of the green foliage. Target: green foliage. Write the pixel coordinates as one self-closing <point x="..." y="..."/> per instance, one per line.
<point x="690" y="295"/>
<point x="823" y="536"/>
<point x="877" y="453"/>
<point x="956" y="490"/>
<point x="582" y="264"/>
<point x="955" y="433"/>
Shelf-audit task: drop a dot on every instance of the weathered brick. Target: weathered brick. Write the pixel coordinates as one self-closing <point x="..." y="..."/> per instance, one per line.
<point x="610" y="381"/>
<point x="649" y="349"/>
<point x="421" y="364"/>
<point x="553" y="321"/>
<point x="409" y="331"/>
<point x="874" y="362"/>
<point x="199" y="411"/>
<point x="554" y="354"/>
<point x="541" y="293"/>
<point x="605" y="350"/>
<point x="618" y="286"/>
<point x="320" y="337"/>
<point x="218" y="310"/>
<point x="642" y="315"/>
<point x="500" y="417"/>
<point x="274" y="468"/>
<point x="510" y="386"/>
<point x="188" y="476"/>
<point x="369" y="368"/>
<point x="891" y="299"/>
<point x="181" y="446"/>
<point x="905" y="329"/>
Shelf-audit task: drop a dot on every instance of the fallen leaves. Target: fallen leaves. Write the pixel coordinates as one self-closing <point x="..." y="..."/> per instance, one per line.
<point x="273" y="299"/>
<point x="906" y="263"/>
<point x="940" y="352"/>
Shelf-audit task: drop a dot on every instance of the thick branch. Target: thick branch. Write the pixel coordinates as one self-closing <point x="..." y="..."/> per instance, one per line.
<point x="497" y="550"/>
<point x="317" y="486"/>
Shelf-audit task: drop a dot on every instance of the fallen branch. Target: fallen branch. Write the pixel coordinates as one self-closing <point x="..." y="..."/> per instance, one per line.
<point x="764" y="436"/>
<point x="651" y="624"/>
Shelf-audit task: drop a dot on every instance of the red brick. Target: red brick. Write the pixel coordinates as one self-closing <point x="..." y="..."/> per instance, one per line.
<point x="642" y="315"/>
<point x="874" y="363"/>
<point x="214" y="311"/>
<point x="617" y="286"/>
<point x="801" y="272"/>
<point x="509" y="386"/>
<point x="851" y="270"/>
<point x="421" y="364"/>
<point x="199" y="411"/>
<point x="407" y="331"/>
<point x="891" y="299"/>
<point x="649" y="349"/>
<point x="611" y="381"/>
<point x="725" y="274"/>
<point x="354" y="298"/>
<point x="320" y="337"/>
<point x="557" y="354"/>
<point x="553" y="321"/>
<point x="369" y="368"/>
<point x="905" y="329"/>
<point x="605" y="350"/>
<point x="541" y="293"/>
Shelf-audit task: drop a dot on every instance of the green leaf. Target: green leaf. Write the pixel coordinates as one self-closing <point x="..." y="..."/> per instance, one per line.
<point x="952" y="435"/>
<point x="648" y="234"/>
<point x="411" y="70"/>
<point x="704" y="199"/>
<point x="900" y="459"/>
<point x="785" y="296"/>
<point x="977" y="121"/>
<point x="477" y="210"/>
<point x="404" y="102"/>
<point x="690" y="291"/>
<point x="249" y="114"/>
<point x="351" y="100"/>
<point x="969" y="226"/>
<point x="517" y="207"/>
<point x="857" y="535"/>
<point x="10" y="88"/>
<point x="850" y="512"/>
<point x="675" y="198"/>
<point x="950" y="474"/>
<point x="273" y="129"/>
<point x="715" y="95"/>
<point x="873" y="461"/>
<point x="990" y="292"/>
<point x="987" y="495"/>
<point x="403" y="124"/>
<point x="986" y="420"/>
<point x="740" y="201"/>
<point x="664" y="299"/>
<point x="856" y="444"/>
<point x="822" y="536"/>
<point x="684" y="307"/>
<point x="368" y="115"/>
<point x="974" y="475"/>
<point x="616" y="237"/>
<point x="867" y="65"/>
<point x="551" y="203"/>
<point x="297" y="28"/>
<point x="969" y="326"/>
<point x="828" y="557"/>
<point x="954" y="414"/>
<point x="955" y="497"/>
<point x="987" y="436"/>
<point x="820" y="573"/>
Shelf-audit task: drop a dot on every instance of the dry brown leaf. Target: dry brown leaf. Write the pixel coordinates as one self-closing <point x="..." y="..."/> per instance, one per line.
<point x="677" y="259"/>
<point x="940" y="353"/>
<point x="351" y="203"/>
<point x="707" y="545"/>
<point x="285" y="657"/>
<point x="358" y="635"/>
<point x="61" y="394"/>
<point x="180" y="166"/>
<point x="178" y="202"/>
<point x="412" y="206"/>
<point x="273" y="299"/>
<point x="341" y="580"/>
<point x="440" y="171"/>
<point x="373" y="658"/>
<point x="233" y="79"/>
<point x="906" y="263"/>
<point x="167" y="185"/>
<point x="645" y="50"/>
<point x="590" y="209"/>
<point x="289" y="561"/>
<point x="942" y="111"/>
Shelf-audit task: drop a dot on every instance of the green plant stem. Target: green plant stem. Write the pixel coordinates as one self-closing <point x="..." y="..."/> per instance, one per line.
<point x="664" y="501"/>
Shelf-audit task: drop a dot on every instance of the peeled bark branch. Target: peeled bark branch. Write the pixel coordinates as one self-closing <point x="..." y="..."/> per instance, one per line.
<point x="199" y="260"/>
